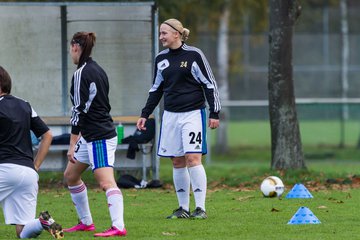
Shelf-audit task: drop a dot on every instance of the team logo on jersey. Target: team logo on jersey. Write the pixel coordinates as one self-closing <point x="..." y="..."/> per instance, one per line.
<point x="163" y="64"/>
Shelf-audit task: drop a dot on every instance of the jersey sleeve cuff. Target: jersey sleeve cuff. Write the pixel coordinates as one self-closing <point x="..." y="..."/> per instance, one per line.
<point x="214" y="115"/>
<point x="75" y="130"/>
<point x="144" y="115"/>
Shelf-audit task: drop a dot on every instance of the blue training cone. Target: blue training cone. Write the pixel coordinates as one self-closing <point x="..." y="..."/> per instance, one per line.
<point x="299" y="191"/>
<point x="304" y="216"/>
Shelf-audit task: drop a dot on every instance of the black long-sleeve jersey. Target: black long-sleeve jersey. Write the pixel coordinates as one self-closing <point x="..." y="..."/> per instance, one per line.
<point x="17" y="118"/>
<point x="183" y="76"/>
<point x="89" y="94"/>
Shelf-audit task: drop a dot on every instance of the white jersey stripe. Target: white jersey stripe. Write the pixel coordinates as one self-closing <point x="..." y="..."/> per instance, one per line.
<point x="77" y="100"/>
<point x="217" y="105"/>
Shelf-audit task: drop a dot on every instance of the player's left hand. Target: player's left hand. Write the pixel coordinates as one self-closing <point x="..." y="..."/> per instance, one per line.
<point x="214" y="123"/>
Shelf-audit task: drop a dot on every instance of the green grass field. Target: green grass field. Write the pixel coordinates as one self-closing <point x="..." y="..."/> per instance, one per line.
<point x="233" y="214"/>
<point x="236" y="207"/>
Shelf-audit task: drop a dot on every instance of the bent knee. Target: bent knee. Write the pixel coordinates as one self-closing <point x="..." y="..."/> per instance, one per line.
<point x="67" y="175"/>
<point x="72" y="178"/>
<point x="178" y="162"/>
<point x="105" y="185"/>
<point x="193" y="160"/>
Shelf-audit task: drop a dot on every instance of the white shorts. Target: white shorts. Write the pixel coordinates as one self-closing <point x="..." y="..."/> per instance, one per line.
<point x="18" y="193"/>
<point x="97" y="154"/>
<point x="182" y="133"/>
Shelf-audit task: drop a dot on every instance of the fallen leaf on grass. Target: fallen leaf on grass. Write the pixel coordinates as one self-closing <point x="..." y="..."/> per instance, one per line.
<point x="275" y="210"/>
<point x="168" y="233"/>
<point x="236" y="209"/>
<point x="241" y="199"/>
<point x="132" y="195"/>
<point x="335" y="200"/>
<point x="321" y="207"/>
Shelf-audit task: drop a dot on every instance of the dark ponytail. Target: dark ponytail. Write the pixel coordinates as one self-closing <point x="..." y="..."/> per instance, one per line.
<point x="86" y="41"/>
<point x="5" y="81"/>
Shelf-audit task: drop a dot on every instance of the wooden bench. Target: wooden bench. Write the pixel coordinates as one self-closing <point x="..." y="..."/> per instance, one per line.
<point x="145" y="159"/>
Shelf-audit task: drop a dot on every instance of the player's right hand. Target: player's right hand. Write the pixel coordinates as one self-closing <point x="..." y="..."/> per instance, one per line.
<point x="70" y="154"/>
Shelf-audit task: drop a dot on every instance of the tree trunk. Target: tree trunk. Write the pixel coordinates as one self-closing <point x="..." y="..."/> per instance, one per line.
<point x="222" y="80"/>
<point x="286" y="147"/>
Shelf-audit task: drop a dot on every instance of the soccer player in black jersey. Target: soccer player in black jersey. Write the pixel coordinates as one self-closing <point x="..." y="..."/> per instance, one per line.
<point x="93" y="138"/>
<point x="18" y="168"/>
<point x="184" y="77"/>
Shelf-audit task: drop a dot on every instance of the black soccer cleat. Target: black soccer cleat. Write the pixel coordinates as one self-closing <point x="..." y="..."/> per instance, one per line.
<point x="49" y="224"/>
<point x="179" y="213"/>
<point x="198" y="213"/>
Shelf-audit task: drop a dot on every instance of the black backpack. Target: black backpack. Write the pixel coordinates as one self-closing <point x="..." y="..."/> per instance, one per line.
<point x="145" y="136"/>
<point x="140" y="137"/>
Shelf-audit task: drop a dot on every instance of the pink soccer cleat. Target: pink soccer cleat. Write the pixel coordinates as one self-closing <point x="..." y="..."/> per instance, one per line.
<point x="80" y="227"/>
<point x="111" y="232"/>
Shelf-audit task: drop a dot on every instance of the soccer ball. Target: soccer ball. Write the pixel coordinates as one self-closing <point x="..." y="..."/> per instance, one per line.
<point x="272" y="187"/>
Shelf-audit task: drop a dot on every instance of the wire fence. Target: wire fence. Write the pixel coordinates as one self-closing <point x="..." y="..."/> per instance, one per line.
<point x="323" y="121"/>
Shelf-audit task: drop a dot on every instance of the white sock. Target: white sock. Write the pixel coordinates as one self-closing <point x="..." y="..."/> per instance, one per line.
<point x="199" y="184"/>
<point x="182" y="186"/>
<point x="32" y="229"/>
<point x="116" y="207"/>
<point x="81" y="202"/>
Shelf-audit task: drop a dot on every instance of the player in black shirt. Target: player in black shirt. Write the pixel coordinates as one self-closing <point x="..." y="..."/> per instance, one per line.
<point x="18" y="167"/>
<point x="184" y="77"/>
<point x="93" y="138"/>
